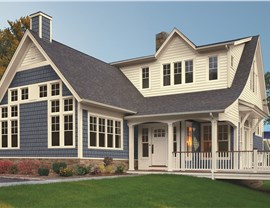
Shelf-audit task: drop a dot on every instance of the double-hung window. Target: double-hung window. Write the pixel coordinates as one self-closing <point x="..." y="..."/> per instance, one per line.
<point x="145" y="142"/>
<point x="24" y="94"/>
<point x="223" y="137"/>
<point x="43" y="91"/>
<point x="166" y="74"/>
<point x="104" y="132"/>
<point x="189" y="71"/>
<point x="207" y="138"/>
<point x="55" y="89"/>
<point x="177" y="73"/>
<point x="213" y="68"/>
<point x="145" y="77"/>
<point x="14" y="95"/>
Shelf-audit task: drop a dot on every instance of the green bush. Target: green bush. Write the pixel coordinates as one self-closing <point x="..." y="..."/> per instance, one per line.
<point x="13" y="169"/>
<point x="43" y="171"/>
<point x="65" y="172"/>
<point x="56" y="166"/>
<point x="82" y="170"/>
<point x="120" y="169"/>
<point x="107" y="161"/>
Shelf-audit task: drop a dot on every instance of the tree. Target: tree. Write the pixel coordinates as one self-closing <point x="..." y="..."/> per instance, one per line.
<point x="9" y="40"/>
<point x="267" y="85"/>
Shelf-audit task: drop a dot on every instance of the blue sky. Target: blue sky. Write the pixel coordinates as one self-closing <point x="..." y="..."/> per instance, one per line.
<point x="113" y="31"/>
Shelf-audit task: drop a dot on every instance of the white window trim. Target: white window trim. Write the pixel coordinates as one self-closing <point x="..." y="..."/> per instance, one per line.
<point x="97" y="131"/>
<point x="141" y="79"/>
<point x="9" y="119"/>
<point x="208" y="69"/>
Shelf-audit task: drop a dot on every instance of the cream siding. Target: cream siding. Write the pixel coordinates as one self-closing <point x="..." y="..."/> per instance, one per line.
<point x="231" y="114"/>
<point x="236" y="52"/>
<point x="178" y="50"/>
<point x="33" y="56"/>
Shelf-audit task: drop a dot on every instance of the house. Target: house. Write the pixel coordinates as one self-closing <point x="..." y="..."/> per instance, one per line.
<point x="186" y="109"/>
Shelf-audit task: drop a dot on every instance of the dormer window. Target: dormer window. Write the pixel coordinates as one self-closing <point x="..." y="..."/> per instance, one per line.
<point x="145" y="77"/>
<point x="177" y="73"/>
<point x="213" y="68"/>
<point x="166" y="74"/>
<point x="14" y="95"/>
<point x="189" y="71"/>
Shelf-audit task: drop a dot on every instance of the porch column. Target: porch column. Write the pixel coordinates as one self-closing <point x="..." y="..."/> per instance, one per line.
<point x="214" y="144"/>
<point x="131" y="147"/>
<point x="170" y="146"/>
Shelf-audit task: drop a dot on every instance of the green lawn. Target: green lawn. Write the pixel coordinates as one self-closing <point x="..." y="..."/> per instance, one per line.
<point x="141" y="191"/>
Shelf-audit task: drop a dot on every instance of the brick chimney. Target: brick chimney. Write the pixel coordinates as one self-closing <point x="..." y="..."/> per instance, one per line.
<point x="41" y="23"/>
<point x="160" y="39"/>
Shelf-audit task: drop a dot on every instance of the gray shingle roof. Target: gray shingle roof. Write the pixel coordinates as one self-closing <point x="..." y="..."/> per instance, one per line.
<point x="98" y="81"/>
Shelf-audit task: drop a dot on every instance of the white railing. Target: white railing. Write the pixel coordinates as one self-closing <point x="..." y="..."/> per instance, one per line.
<point x="225" y="160"/>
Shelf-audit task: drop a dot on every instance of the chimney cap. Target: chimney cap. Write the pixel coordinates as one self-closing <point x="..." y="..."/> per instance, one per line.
<point x="40" y="13"/>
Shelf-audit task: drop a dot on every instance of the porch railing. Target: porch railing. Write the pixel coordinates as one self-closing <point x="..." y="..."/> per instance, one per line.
<point x="225" y="160"/>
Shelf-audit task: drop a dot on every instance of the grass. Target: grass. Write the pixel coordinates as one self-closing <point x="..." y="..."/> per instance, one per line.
<point x="141" y="191"/>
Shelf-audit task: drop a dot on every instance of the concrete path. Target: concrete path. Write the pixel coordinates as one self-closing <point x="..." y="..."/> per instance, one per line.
<point x="14" y="182"/>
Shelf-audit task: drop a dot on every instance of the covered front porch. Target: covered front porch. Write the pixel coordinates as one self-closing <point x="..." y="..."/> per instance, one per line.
<point x="199" y="144"/>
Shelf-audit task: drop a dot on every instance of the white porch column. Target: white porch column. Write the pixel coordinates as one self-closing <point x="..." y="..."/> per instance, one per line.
<point x="170" y="146"/>
<point x="214" y="145"/>
<point x="131" y="147"/>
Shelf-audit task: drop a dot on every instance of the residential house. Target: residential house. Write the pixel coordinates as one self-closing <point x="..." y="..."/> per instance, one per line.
<point x="185" y="109"/>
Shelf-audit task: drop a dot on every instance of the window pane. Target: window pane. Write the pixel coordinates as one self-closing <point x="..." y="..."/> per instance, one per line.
<point x="14" y="140"/>
<point x="4" y="112"/>
<point x="14" y="111"/>
<point x="189" y="71"/>
<point x="110" y="140"/>
<point x="145" y="150"/>
<point x="14" y="95"/>
<point x="55" y="139"/>
<point x="55" y="106"/>
<point x="68" y="138"/>
<point x="117" y="141"/>
<point x="166" y="74"/>
<point x="24" y="94"/>
<point x="145" y="77"/>
<point x="68" y="104"/>
<point x="145" y="83"/>
<point x="223" y="146"/>
<point x="4" y="140"/>
<point x="43" y="91"/>
<point x="55" y="131"/>
<point x="177" y="72"/>
<point x="55" y="89"/>
<point x="213" y="68"/>
<point x="101" y="139"/>
<point x="93" y="139"/>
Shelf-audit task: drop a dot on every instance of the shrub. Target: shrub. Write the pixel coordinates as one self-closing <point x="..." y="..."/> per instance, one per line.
<point x="82" y="170"/>
<point x="109" y="169"/>
<point x="43" y="171"/>
<point x="107" y="161"/>
<point x="5" y="166"/>
<point x="98" y="170"/>
<point x="13" y="169"/>
<point x="120" y="169"/>
<point x="28" y="167"/>
<point x="65" y="172"/>
<point x="56" y="166"/>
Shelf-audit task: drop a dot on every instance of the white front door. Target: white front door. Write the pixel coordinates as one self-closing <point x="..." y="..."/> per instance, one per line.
<point x="159" y="147"/>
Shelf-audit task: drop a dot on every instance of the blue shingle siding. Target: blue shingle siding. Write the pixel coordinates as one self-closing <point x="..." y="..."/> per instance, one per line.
<point x="45" y="29"/>
<point x="65" y="91"/>
<point x="99" y="153"/>
<point x="257" y="142"/>
<point x="35" y="24"/>
<point x="4" y="101"/>
<point x="34" y="134"/>
<point x="33" y="76"/>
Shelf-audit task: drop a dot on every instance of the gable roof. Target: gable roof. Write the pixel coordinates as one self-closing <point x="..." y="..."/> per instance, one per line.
<point x="97" y="81"/>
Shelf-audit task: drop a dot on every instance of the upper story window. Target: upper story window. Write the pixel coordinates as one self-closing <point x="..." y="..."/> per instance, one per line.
<point x="145" y="77"/>
<point x="68" y="104"/>
<point x="14" y="111"/>
<point x="213" y="68"/>
<point x="4" y="112"/>
<point x="189" y="71"/>
<point x="166" y="74"/>
<point x="177" y="73"/>
<point x="55" y="89"/>
<point x="14" y="95"/>
<point x="24" y="93"/>
<point x="43" y="91"/>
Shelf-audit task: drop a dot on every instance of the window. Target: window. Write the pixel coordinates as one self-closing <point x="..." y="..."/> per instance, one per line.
<point x="177" y="73"/>
<point x="55" y="106"/>
<point x="109" y="133"/>
<point x="223" y="138"/>
<point x="174" y="139"/>
<point x="117" y="134"/>
<point x="145" y="144"/>
<point x="14" y="95"/>
<point x="101" y="128"/>
<point x="43" y="91"/>
<point x="159" y="132"/>
<point x="68" y="128"/>
<point x="55" y="89"/>
<point x="166" y="74"/>
<point x="104" y="132"/>
<point x="207" y="138"/>
<point x="4" y="112"/>
<point x="145" y="77"/>
<point x="68" y="104"/>
<point x="14" y="133"/>
<point x="14" y="111"/>
<point x="189" y="137"/>
<point x="213" y="68"/>
<point x="93" y="131"/>
<point x="189" y="71"/>
<point x="4" y="131"/>
<point x="24" y="94"/>
<point x="232" y="60"/>
<point x="55" y="131"/>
